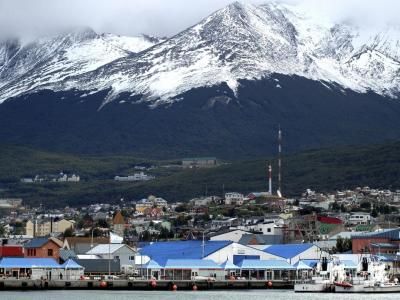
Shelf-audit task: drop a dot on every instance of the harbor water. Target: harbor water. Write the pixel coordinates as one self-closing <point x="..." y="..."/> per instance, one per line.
<point x="184" y="295"/>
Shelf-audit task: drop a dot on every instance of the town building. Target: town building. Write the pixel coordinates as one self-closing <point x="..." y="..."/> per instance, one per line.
<point x="359" y="219"/>
<point x="11" y="251"/>
<point x="43" y="248"/>
<point x="140" y="176"/>
<point x="119" y="224"/>
<point x="199" y="163"/>
<point x="234" y="199"/>
<point x="41" y="228"/>
<point x="386" y="241"/>
<point x="124" y="253"/>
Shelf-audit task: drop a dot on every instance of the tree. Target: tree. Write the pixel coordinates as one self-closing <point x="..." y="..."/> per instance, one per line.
<point x="69" y="232"/>
<point x="339" y="244"/>
<point x="374" y="213"/>
<point x="2" y="230"/>
<point x="343" y="245"/>
<point x="102" y="223"/>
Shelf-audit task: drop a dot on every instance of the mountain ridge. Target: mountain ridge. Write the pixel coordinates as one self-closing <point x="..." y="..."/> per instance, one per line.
<point x="241" y="41"/>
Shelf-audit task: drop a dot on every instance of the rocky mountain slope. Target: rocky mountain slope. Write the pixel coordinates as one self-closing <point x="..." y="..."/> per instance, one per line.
<point x="241" y="41"/>
<point x="218" y="88"/>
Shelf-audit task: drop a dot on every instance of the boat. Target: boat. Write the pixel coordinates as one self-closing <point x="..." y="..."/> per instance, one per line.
<point x="374" y="280"/>
<point x="315" y="285"/>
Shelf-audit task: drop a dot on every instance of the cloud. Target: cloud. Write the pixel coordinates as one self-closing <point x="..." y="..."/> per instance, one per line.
<point x="158" y="17"/>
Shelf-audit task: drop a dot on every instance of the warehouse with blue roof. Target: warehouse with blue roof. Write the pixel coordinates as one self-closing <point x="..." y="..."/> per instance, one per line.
<point x="292" y="253"/>
<point x="217" y="251"/>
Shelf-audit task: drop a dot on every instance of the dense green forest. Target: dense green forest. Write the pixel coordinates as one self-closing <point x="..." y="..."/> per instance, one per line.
<point x="323" y="170"/>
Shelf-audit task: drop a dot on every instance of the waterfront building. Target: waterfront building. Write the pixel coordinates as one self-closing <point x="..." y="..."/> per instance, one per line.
<point x="43" y="248"/>
<point x="217" y="251"/>
<point x="124" y="253"/>
<point x="184" y="269"/>
<point x="40" y="268"/>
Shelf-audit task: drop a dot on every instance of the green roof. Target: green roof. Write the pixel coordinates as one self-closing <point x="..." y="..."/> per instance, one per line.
<point x="365" y="227"/>
<point x="325" y="228"/>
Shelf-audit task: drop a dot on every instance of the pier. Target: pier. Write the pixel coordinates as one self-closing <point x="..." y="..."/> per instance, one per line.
<point x="29" y="284"/>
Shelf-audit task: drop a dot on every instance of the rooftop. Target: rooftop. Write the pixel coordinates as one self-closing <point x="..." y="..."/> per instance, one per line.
<point x="162" y="251"/>
<point x="105" y="248"/>
<point x="287" y="250"/>
<point x="29" y="263"/>
<point x="36" y="243"/>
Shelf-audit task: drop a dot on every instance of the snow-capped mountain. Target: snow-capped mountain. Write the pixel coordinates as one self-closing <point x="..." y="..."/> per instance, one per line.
<point x="241" y="41"/>
<point x="50" y="60"/>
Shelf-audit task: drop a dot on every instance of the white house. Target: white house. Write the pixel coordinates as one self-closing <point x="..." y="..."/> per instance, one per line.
<point x="124" y="253"/>
<point x="360" y="219"/>
<point x="263" y="227"/>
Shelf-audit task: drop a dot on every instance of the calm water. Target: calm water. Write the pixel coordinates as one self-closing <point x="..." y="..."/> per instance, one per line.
<point x="184" y="295"/>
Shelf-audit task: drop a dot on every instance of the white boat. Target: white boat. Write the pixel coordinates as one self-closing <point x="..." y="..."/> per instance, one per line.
<point x="375" y="280"/>
<point x="315" y="285"/>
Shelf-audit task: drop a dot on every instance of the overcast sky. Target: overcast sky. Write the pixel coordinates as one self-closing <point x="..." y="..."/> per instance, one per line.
<point x="157" y="17"/>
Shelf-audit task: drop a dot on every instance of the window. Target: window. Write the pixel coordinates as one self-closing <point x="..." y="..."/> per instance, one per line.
<point x="116" y="257"/>
<point x="131" y="258"/>
<point x="268" y="229"/>
<point x="49" y="252"/>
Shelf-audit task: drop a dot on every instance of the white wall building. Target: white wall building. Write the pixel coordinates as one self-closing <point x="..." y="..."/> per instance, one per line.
<point x="124" y="253"/>
<point x="234" y="199"/>
<point x="360" y="219"/>
<point x="235" y="252"/>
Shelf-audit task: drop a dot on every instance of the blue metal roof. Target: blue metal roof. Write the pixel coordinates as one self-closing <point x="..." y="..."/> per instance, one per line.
<point x="392" y="234"/>
<point x="191" y="264"/>
<point x="29" y="263"/>
<point x="274" y="264"/>
<point x="162" y="251"/>
<point x="71" y="264"/>
<point x="287" y="250"/>
<point x="36" y="243"/>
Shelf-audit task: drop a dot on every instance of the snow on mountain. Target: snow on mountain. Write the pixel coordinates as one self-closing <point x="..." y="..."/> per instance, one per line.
<point x="240" y="41"/>
<point x="49" y="60"/>
<point x="133" y="44"/>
